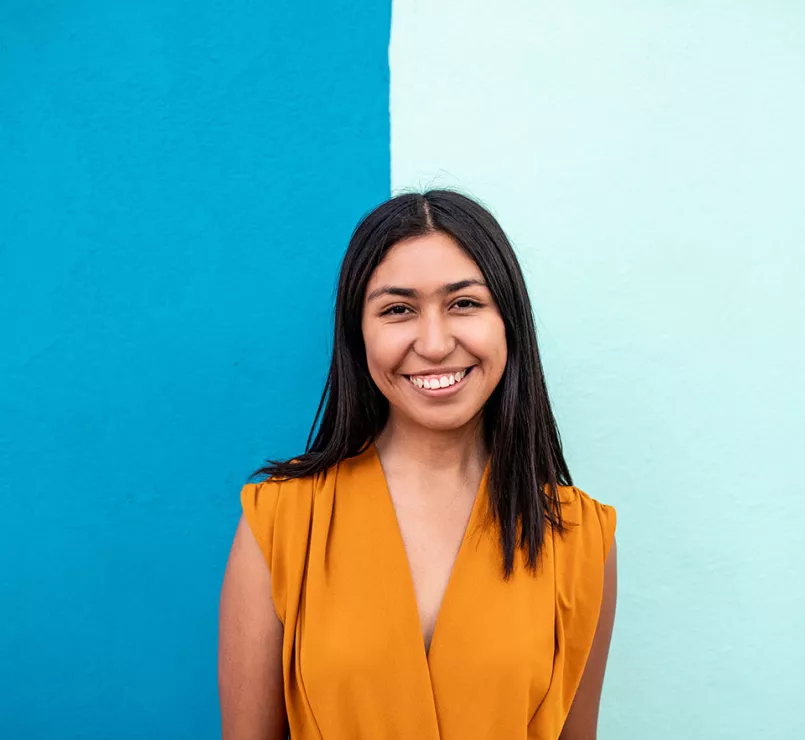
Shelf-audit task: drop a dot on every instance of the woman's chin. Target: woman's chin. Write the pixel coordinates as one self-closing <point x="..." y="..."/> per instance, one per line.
<point x="443" y="421"/>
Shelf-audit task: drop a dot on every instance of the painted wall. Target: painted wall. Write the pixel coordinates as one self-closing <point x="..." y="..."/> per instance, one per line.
<point x="177" y="185"/>
<point x="647" y="159"/>
<point x="166" y="172"/>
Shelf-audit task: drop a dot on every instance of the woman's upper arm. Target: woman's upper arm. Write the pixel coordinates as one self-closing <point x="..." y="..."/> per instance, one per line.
<point x="250" y="683"/>
<point x="582" y="720"/>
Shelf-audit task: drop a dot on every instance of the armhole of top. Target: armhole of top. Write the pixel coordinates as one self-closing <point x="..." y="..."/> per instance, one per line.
<point x="259" y="504"/>
<point x="609" y="521"/>
<point x="604" y="515"/>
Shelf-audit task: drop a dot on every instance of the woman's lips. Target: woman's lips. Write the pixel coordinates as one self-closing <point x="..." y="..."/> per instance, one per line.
<point x="440" y="385"/>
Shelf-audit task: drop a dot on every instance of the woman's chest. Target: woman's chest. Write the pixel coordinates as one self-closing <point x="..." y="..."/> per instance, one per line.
<point x="362" y="617"/>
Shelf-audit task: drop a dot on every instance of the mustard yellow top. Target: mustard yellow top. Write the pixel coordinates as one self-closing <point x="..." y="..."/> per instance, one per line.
<point x="506" y="657"/>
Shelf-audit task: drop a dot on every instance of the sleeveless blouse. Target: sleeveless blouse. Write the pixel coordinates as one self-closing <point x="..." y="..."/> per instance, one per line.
<point x="506" y="657"/>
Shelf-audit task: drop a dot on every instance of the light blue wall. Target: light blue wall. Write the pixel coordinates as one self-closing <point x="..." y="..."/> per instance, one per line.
<point x="177" y="185"/>
<point x="648" y="159"/>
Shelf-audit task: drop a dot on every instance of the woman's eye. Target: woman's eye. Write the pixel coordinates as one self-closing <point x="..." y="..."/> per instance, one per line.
<point x="395" y="311"/>
<point x="466" y="303"/>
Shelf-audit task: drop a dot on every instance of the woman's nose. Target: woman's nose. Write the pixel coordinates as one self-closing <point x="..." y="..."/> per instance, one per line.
<point x="434" y="338"/>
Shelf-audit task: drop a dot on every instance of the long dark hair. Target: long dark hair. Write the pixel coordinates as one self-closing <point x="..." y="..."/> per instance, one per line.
<point x="526" y="459"/>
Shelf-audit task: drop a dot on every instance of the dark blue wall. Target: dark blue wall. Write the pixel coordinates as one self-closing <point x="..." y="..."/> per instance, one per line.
<point x="178" y="182"/>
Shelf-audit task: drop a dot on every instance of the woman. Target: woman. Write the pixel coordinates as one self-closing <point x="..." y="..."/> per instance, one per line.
<point x="426" y="569"/>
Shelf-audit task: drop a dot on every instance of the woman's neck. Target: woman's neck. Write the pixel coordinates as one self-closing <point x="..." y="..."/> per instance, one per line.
<point x="434" y="455"/>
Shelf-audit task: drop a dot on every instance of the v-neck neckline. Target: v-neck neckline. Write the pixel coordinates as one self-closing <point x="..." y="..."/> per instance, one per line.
<point x="472" y="522"/>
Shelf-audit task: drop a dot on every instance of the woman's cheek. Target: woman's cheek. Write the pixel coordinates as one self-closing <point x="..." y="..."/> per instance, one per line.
<point x="384" y="351"/>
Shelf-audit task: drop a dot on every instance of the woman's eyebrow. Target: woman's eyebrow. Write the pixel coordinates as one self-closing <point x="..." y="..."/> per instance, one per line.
<point x="446" y="289"/>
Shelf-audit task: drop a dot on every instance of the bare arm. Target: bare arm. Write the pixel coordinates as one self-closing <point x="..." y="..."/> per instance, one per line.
<point x="249" y="647"/>
<point x="582" y="721"/>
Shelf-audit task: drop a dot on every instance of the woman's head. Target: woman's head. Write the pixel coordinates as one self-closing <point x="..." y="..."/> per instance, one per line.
<point x="434" y="339"/>
<point x="430" y="287"/>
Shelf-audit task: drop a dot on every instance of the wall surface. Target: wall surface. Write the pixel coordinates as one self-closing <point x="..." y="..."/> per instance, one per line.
<point x="177" y="185"/>
<point x="647" y="159"/>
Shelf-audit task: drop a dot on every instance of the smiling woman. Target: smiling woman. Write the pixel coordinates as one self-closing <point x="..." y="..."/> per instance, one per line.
<point x="426" y="568"/>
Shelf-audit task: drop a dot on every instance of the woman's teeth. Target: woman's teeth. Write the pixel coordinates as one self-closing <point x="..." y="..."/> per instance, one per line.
<point x="437" y="381"/>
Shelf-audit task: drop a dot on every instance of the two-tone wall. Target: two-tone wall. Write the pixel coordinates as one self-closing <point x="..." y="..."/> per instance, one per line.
<point x="177" y="186"/>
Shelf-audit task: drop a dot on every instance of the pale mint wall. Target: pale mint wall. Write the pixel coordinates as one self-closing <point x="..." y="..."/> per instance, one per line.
<point x="647" y="159"/>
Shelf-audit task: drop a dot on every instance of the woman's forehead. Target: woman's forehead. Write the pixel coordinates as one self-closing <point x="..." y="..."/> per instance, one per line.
<point x="430" y="260"/>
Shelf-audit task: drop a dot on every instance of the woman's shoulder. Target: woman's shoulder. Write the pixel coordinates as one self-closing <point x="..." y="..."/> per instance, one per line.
<point x="274" y="505"/>
<point x="576" y="498"/>
<point x="267" y="493"/>
<point x="589" y="523"/>
<point x="272" y="488"/>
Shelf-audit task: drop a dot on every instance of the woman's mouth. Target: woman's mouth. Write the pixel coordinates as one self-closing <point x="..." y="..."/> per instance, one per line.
<point x="440" y="384"/>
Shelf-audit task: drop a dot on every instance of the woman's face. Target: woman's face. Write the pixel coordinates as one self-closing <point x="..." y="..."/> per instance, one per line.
<point x="435" y="340"/>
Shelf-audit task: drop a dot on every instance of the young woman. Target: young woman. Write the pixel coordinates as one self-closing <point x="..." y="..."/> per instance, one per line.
<point x="426" y="569"/>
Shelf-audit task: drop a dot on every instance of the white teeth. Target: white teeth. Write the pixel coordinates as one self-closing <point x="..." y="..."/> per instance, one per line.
<point x="440" y="382"/>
